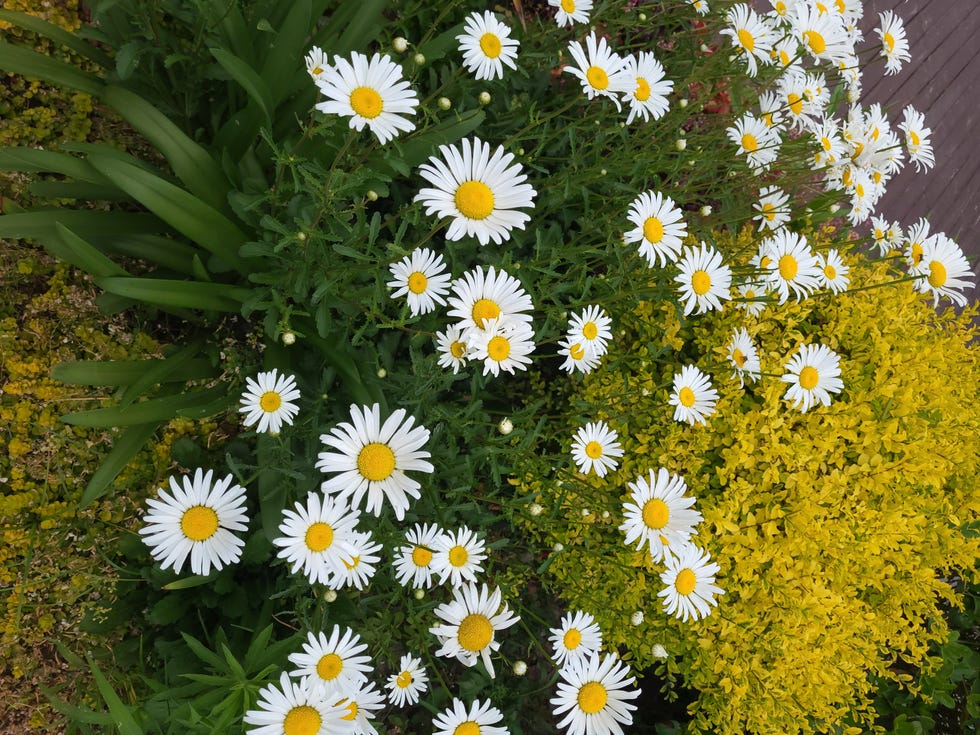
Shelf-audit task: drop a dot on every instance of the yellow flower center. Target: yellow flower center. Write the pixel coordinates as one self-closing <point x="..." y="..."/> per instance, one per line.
<point x="653" y="230"/>
<point x="593" y="449"/>
<point x="417" y="282"/>
<point x="568" y="6"/>
<point x="592" y="697"/>
<point x="889" y="42"/>
<point x="859" y="190"/>
<point x="809" y="378"/>
<point x="597" y="77"/>
<point x="780" y="7"/>
<point x="199" y="523"/>
<point x="302" y="720"/>
<point x="826" y="143"/>
<point x="484" y="310"/>
<point x="815" y="41"/>
<point x="498" y="348"/>
<point x="475" y="632"/>
<point x="404" y="680"/>
<point x="686" y="397"/>
<point x="458" y="556"/>
<point x="764" y="261"/>
<point x="937" y="274"/>
<point x="421" y="556"/>
<point x="319" y="536"/>
<point x="572" y="639"/>
<point x="642" y="93"/>
<point x="576" y="351"/>
<point x="685" y="581"/>
<point x="784" y="58"/>
<point x="329" y="666"/>
<point x="914" y="138"/>
<point x="701" y="282"/>
<point x="317" y="71"/>
<point x="457" y="350"/>
<point x="270" y="401"/>
<point x="351" y="711"/>
<point x="467" y="728"/>
<point x="352" y="562"/>
<point x="474" y="200"/>
<point x="830" y="272"/>
<point x="366" y="102"/>
<point x="788" y="267"/>
<point x="749" y="294"/>
<point x="746" y="39"/>
<point x="749" y="143"/>
<point x="376" y="461"/>
<point x="795" y="103"/>
<point x="821" y="8"/>
<point x="490" y="45"/>
<point x="590" y="330"/>
<point x="769" y="211"/>
<point x="916" y="253"/>
<point x="739" y="358"/>
<point x="841" y="6"/>
<point x="655" y="513"/>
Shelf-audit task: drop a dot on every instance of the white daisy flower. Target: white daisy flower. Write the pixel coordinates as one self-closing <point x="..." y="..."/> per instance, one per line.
<point x="917" y="139"/>
<point x="199" y="520"/>
<point x="478" y="298"/>
<point x="592" y="694"/>
<point x="882" y="232"/>
<point x="751" y="35"/>
<point x="334" y="665"/>
<point x="791" y="87"/>
<point x="361" y="705"/>
<point x="751" y="298"/>
<point x="372" y="459"/>
<point x="821" y="34"/>
<point x="602" y="73"/>
<point x="771" y="110"/>
<point x="595" y="448"/>
<point x="701" y="6"/>
<point x="659" y="514"/>
<point x="813" y="373"/>
<point x="690" y="584"/>
<point x="833" y="271"/>
<point x="693" y="398"/>
<point x="470" y="623"/>
<point x="894" y="44"/>
<point x="578" y="637"/>
<point x="743" y="356"/>
<point x="360" y="565"/>
<point x="316" y="62"/>
<point x="316" y="537"/>
<point x="422" y="278"/>
<point x="409" y="683"/>
<point x="832" y="148"/>
<point x="371" y="93"/>
<point x="914" y="243"/>
<point x="571" y="11"/>
<point x="577" y="357"/>
<point x="502" y="346"/>
<point x="786" y="52"/>
<point x="945" y="270"/>
<point x="268" y="401"/>
<point x="791" y="265"/>
<point x="294" y="707"/>
<point x="659" y="228"/>
<point x="648" y="87"/>
<point x="413" y="563"/>
<point x="452" y="348"/>
<point x="482" y="718"/>
<point x="487" y="46"/>
<point x="480" y="192"/>
<point x="757" y="142"/>
<point x="458" y="556"/>
<point x="773" y="208"/>
<point x="592" y="329"/>
<point x="704" y="280"/>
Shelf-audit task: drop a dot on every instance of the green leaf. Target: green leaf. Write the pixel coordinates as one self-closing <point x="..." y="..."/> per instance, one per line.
<point x="57" y="34"/>
<point x="70" y="248"/>
<point x="124" y="449"/>
<point x="76" y="190"/>
<point x="159" y="372"/>
<point x="33" y="65"/>
<point x="75" y="714"/>
<point x="118" y="373"/>
<point x="187" y="582"/>
<point x="203" y="652"/>
<point x="285" y="52"/>
<point x="186" y="213"/>
<point x="35" y="160"/>
<point x="169" y="254"/>
<point x="352" y="26"/>
<point x="174" y="293"/>
<point x="39" y="224"/>
<point x="152" y="410"/>
<point x="122" y="717"/>
<point x="128" y="58"/>
<point x="257" y="90"/>
<point x="418" y="148"/>
<point x="233" y="27"/>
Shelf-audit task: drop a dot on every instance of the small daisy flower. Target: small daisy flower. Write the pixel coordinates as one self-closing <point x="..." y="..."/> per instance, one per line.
<point x="659" y="514"/>
<point x="690" y="584"/>
<point x="648" y="89"/>
<point x="578" y="637"/>
<point x="757" y="142"/>
<point x="409" y="683"/>
<point x="571" y="11"/>
<point x="595" y="448"/>
<point x="486" y="46"/>
<point x="480" y="192"/>
<point x="361" y="705"/>
<point x="751" y="298"/>
<point x="478" y="297"/>
<point x="773" y="208"/>
<point x="268" y="400"/>
<point x="659" y="228"/>
<point x="700" y="6"/>
<point x="771" y="110"/>
<point x="422" y="278"/>
<point x="591" y="329"/>
<point x="371" y="93"/>
<point x="821" y="34"/>
<point x="482" y="718"/>
<point x="894" y="44"/>
<point x="744" y="357"/>
<point x="294" y="707"/>
<point x="577" y="357"/>
<point x="832" y="148"/>
<point x="693" y="398"/>
<point x="199" y="520"/>
<point x="913" y="246"/>
<point x="315" y="537"/>
<point x="592" y="695"/>
<point x="704" y="280"/>
<point x="452" y="348"/>
<point x="502" y="346"/>
<point x="917" y="139"/>
<point x="945" y="270"/>
<point x="371" y="459"/>
<point x="458" y="556"/>
<point x="413" y="563"/>
<point x="602" y="73"/>
<point x="751" y="35"/>
<point x="316" y="62"/>
<point x="360" y="565"/>
<point x="335" y="664"/>
<point x="882" y="232"/>
<point x="833" y="272"/>
<point x="813" y="373"/>
<point x="792" y="265"/>
<point x="470" y="623"/>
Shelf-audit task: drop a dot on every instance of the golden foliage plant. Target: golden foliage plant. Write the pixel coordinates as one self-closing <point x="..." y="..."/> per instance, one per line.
<point x="839" y="532"/>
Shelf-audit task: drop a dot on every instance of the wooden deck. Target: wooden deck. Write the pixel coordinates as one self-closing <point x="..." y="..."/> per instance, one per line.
<point x="939" y="83"/>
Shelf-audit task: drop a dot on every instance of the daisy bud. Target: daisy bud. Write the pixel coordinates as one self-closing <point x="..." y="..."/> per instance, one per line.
<point x="519" y="668"/>
<point x="682" y="102"/>
<point x="586" y="512"/>
<point x="301" y="236"/>
<point x="505" y="426"/>
<point x="372" y="195"/>
<point x="419" y="594"/>
<point x="605" y="515"/>
<point x="705" y="210"/>
<point x="680" y="144"/>
<point x="419" y="59"/>
<point x="705" y="48"/>
<point x="642" y="16"/>
<point x="602" y="172"/>
<point x="329" y="595"/>
<point x="445" y="103"/>
<point x="288" y="338"/>
<point x="400" y="45"/>
<point x="535" y="509"/>
<point x="520" y="151"/>
<point x="382" y="373"/>
<point x="558" y="547"/>
<point x="637" y="617"/>
<point x="834" y="208"/>
<point x="484" y="98"/>
<point x="658" y="651"/>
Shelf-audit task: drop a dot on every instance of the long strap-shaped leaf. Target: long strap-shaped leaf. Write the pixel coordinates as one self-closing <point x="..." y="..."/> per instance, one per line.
<point x="30" y="63"/>
<point x="73" y="249"/>
<point x="145" y="412"/>
<point x="286" y="51"/>
<point x="117" y="373"/>
<point x="180" y="294"/>
<point x="35" y="160"/>
<point x="180" y="209"/>
<point x="93" y="225"/>
<point x="249" y="79"/>
<point x="124" y="448"/>
<point x="57" y="34"/>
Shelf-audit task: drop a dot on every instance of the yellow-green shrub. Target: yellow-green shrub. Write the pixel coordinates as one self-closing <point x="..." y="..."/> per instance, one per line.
<point x="835" y="530"/>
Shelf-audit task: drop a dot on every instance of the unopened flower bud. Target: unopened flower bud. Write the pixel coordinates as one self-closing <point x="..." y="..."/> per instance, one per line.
<point x="400" y="45"/>
<point x="445" y="103"/>
<point x="484" y="98"/>
<point x="534" y="509"/>
<point x="658" y="651"/>
<point x="705" y="210"/>
<point x="637" y="617"/>
<point x="419" y="59"/>
<point x="682" y="102"/>
<point x="680" y="144"/>
<point x="419" y="594"/>
<point x="642" y="16"/>
<point x="288" y="338"/>
<point x="301" y="236"/>
<point x="558" y="547"/>
<point x="519" y="668"/>
<point x="372" y="195"/>
<point x="505" y="426"/>
<point x="382" y="373"/>
<point x="329" y="595"/>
